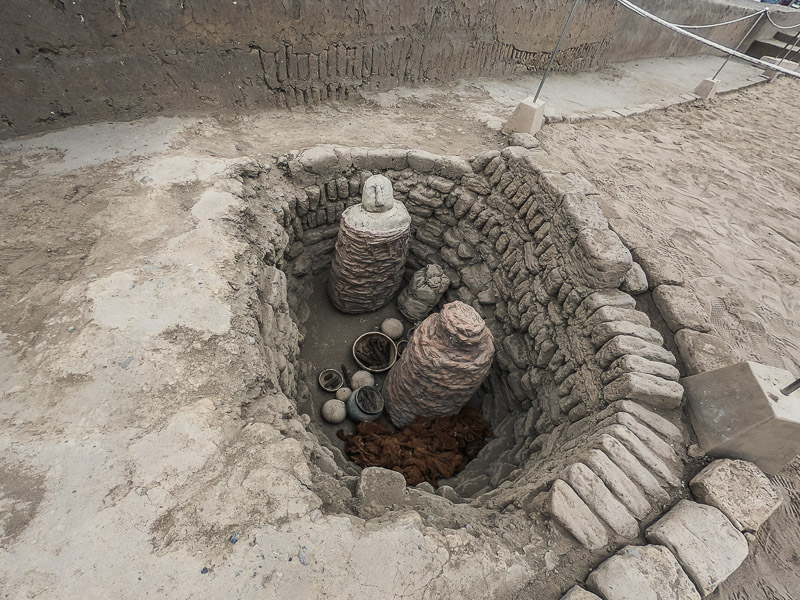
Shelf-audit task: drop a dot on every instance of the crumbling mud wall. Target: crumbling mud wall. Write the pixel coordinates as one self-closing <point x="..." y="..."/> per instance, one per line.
<point x="66" y="63"/>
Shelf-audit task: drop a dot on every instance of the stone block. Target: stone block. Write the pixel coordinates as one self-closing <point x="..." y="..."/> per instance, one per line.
<point x="651" y="390"/>
<point x="665" y="469"/>
<point x="610" y="329"/>
<point x="387" y="158"/>
<point x="381" y="487"/>
<point x="680" y="308"/>
<point x="649" y="418"/>
<point x="471" y="487"/>
<point x="636" y="364"/>
<point x="479" y="161"/>
<point x="739" y="489"/>
<point x="421" y="161"/>
<point x="600" y="500"/>
<point x="448" y="493"/>
<point x="597" y="300"/>
<point x="632" y="467"/>
<point x="702" y="352"/>
<point x="602" y="254"/>
<point x="659" y="264"/>
<point x="707" y="88"/>
<point x="626" y="344"/>
<point x="571" y="512"/>
<point x="526" y="140"/>
<point x="649" y="438"/>
<point x="706" y="544"/>
<point x="619" y="483"/>
<point x="578" y="593"/>
<point x="452" y="167"/>
<point x="740" y="412"/>
<point x="635" y="281"/>
<point x="528" y="117"/>
<point x="616" y="313"/>
<point x="642" y="573"/>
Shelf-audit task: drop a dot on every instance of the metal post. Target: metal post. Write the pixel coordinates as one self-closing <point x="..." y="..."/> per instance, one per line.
<point x="795" y="385"/>
<point x="555" y="51"/>
<point x="749" y="31"/>
<point x="792" y="42"/>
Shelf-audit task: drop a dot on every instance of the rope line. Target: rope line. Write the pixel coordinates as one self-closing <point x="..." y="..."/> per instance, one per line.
<point x="774" y="24"/>
<point x="755" y="61"/>
<point x="719" y="24"/>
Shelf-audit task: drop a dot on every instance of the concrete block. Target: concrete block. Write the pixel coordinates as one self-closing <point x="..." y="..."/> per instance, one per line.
<point x="528" y="117"/>
<point x="642" y="573"/>
<point x="739" y="412"/>
<point x="706" y="544"/>
<point x="739" y="489"/>
<point x="706" y="89"/>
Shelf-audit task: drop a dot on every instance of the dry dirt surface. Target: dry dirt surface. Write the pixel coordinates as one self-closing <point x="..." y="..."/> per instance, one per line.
<point x="126" y="462"/>
<point x="715" y="189"/>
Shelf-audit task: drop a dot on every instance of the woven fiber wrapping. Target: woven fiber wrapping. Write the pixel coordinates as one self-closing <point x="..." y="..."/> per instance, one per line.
<point x="423" y="293"/>
<point x="445" y="362"/>
<point x="368" y="266"/>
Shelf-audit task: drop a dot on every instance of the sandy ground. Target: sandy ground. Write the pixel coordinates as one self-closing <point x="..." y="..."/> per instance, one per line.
<point x="716" y="188"/>
<point x="113" y="325"/>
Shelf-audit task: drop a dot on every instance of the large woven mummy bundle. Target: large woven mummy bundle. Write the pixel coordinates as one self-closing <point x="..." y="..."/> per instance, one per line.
<point x="371" y="250"/>
<point x="445" y="362"/>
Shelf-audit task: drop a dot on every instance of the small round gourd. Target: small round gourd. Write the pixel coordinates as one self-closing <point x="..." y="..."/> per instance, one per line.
<point x="343" y="393"/>
<point x="334" y="411"/>
<point x="393" y="328"/>
<point x="361" y="378"/>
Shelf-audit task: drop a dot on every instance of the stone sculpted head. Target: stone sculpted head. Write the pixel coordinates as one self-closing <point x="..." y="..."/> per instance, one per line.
<point x="377" y="196"/>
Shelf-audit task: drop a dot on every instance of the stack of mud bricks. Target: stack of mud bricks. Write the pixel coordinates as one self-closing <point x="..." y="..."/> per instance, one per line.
<point x="695" y="546"/>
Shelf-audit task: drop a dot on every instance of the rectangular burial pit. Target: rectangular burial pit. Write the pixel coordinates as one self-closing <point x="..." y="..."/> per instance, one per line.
<point x="528" y="247"/>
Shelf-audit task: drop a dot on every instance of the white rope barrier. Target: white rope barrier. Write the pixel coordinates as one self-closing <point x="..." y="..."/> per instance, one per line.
<point x="774" y="24"/>
<point x="755" y="61"/>
<point x="720" y="24"/>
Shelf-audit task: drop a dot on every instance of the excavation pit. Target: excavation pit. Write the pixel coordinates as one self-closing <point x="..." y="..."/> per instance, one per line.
<point x="580" y="387"/>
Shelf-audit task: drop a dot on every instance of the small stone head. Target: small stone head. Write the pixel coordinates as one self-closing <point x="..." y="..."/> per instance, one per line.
<point x="377" y="196"/>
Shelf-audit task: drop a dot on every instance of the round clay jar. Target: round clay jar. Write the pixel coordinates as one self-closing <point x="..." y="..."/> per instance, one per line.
<point x="343" y="393"/>
<point x="393" y="328"/>
<point x="334" y="411"/>
<point x="361" y="378"/>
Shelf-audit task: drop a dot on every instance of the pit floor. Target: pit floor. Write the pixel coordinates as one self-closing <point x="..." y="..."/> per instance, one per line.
<point x="330" y="335"/>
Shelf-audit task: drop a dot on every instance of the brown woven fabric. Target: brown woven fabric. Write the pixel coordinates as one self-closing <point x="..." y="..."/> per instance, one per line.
<point x="425" y="450"/>
<point x="367" y="268"/>
<point x="445" y="362"/>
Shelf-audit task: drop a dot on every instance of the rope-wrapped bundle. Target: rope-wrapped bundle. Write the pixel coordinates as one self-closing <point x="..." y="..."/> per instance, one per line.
<point x="423" y="292"/>
<point x="370" y="256"/>
<point x="445" y="362"/>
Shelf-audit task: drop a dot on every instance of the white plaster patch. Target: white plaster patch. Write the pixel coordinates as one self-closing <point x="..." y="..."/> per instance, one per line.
<point x="151" y="304"/>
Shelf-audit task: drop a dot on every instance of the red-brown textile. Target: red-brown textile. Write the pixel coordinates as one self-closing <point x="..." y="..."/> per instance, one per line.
<point x="425" y="450"/>
<point x="446" y="360"/>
